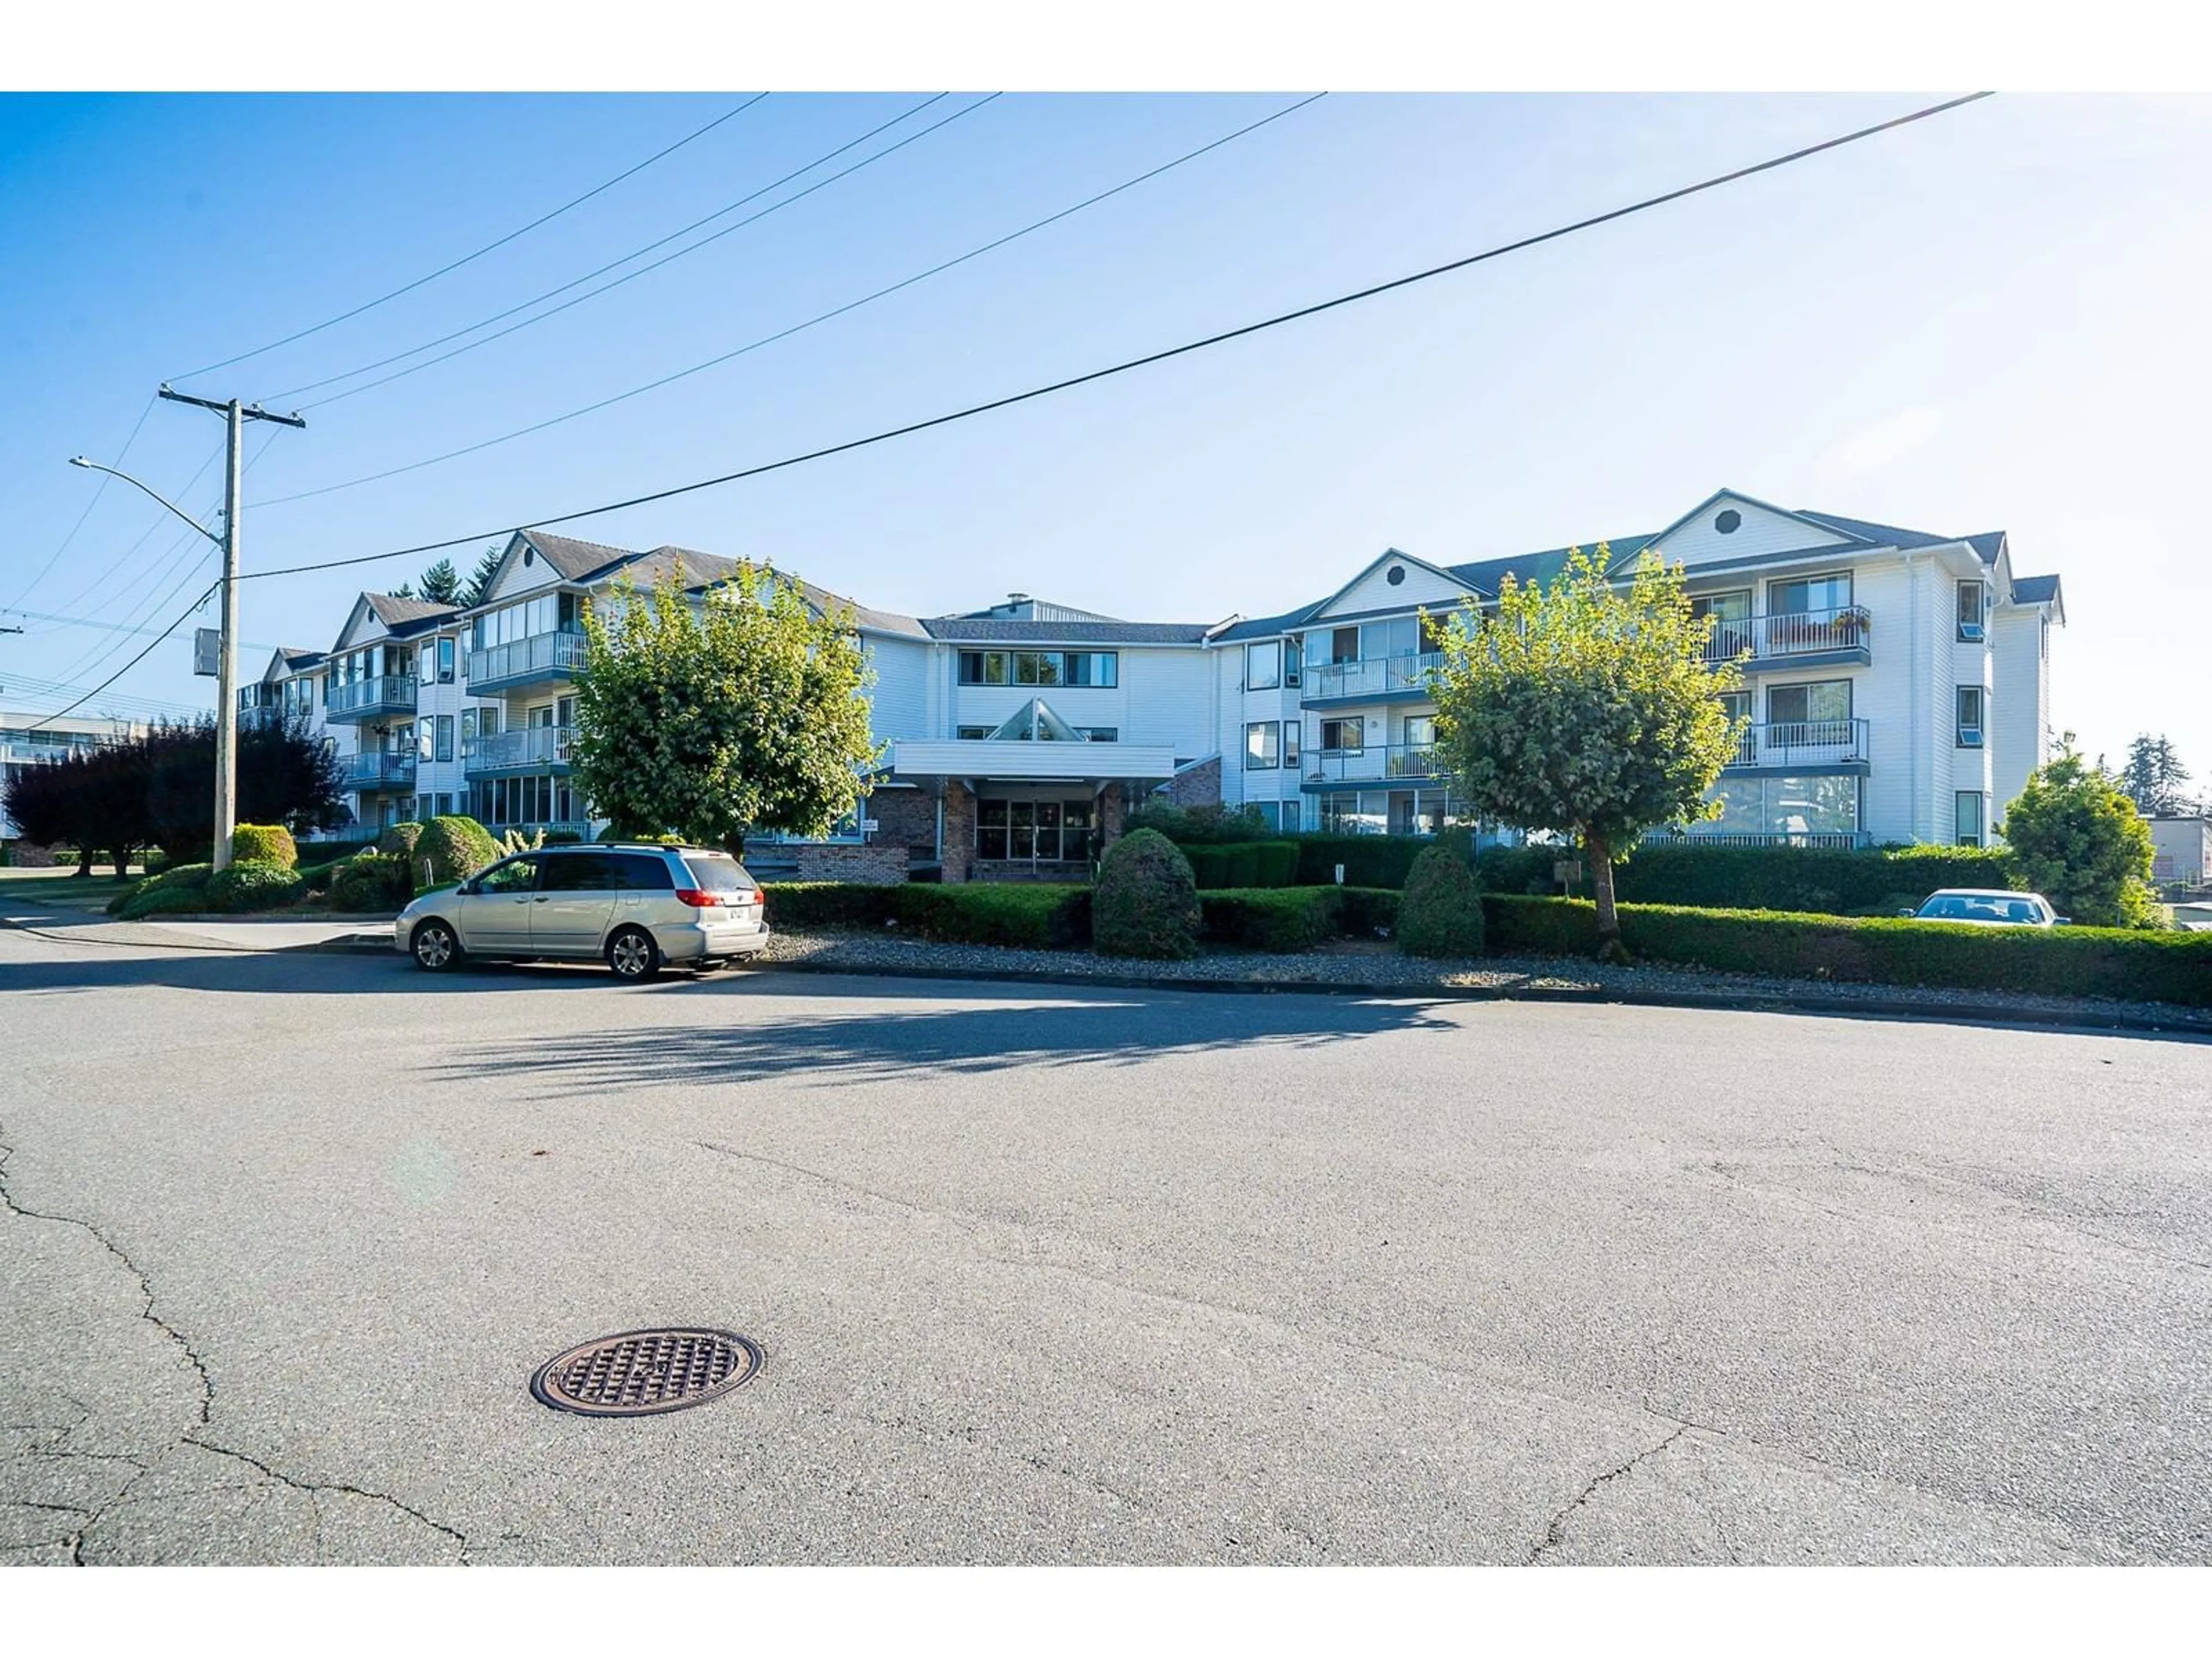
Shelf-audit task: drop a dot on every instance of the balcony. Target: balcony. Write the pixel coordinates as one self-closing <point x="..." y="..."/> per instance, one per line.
<point x="540" y="660"/>
<point x="525" y="749"/>
<point x="1844" y="839"/>
<point x="1369" y="680"/>
<point x="254" y="716"/>
<point x="1787" y="747"/>
<point x="1384" y="764"/>
<point x="1801" y="638"/>
<point x="373" y="770"/>
<point x="379" y="697"/>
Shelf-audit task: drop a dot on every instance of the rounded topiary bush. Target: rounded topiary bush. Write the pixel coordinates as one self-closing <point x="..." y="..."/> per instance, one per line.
<point x="456" y="846"/>
<point x="1440" y="911"/>
<point x="264" y="843"/>
<point x="253" y="884"/>
<point x="400" y="838"/>
<point x="372" y="881"/>
<point x="1145" y="903"/>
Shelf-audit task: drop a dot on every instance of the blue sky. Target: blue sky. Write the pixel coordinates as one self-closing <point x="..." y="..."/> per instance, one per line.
<point x="1994" y="319"/>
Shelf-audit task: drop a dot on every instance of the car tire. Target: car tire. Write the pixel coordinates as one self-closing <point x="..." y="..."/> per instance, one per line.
<point x="634" y="955"/>
<point x="434" y="946"/>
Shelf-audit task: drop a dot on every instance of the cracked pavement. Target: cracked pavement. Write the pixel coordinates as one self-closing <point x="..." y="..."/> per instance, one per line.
<point x="1084" y="1276"/>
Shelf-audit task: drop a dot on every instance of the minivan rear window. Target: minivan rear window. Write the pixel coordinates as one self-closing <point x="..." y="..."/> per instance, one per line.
<point x="718" y="873"/>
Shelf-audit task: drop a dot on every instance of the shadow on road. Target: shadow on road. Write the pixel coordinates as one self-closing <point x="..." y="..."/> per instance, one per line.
<point x="1044" y="1027"/>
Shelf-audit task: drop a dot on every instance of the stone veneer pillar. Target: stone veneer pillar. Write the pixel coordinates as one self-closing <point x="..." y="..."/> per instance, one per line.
<point x="959" y="848"/>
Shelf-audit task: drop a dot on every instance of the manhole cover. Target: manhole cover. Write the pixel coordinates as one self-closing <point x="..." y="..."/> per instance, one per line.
<point x="641" y="1372"/>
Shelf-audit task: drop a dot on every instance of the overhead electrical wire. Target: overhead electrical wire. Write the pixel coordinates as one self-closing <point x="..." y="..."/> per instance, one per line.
<point x="112" y="572"/>
<point x="796" y="328"/>
<point x="635" y="253"/>
<point x="1125" y="367"/>
<point x="447" y="269"/>
<point x="100" y="490"/>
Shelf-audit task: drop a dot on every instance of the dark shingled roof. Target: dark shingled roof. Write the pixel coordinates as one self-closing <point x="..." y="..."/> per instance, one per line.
<point x="407" y="616"/>
<point x="577" y="560"/>
<point x="2034" y="590"/>
<point x="1005" y="631"/>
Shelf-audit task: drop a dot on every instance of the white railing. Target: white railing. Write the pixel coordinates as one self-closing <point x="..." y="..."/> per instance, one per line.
<point x="1794" y="633"/>
<point x="1696" y="837"/>
<point x="540" y="653"/>
<point x="1369" y="676"/>
<point x="1380" y="764"/>
<point x="526" y="746"/>
<point x="380" y="692"/>
<point x="1802" y="743"/>
<point x="375" y="770"/>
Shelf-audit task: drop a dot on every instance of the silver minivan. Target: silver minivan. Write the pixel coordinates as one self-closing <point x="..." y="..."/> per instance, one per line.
<point x="633" y="905"/>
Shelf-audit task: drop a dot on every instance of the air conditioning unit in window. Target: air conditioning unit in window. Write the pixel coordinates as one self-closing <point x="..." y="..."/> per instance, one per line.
<point x="1971" y="632"/>
<point x="1970" y="737"/>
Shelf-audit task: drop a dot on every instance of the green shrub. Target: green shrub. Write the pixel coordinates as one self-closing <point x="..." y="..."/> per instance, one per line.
<point x="161" y="894"/>
<point x="1521" y="869"/>
<point x="1195" y="826"/>
<point x="264" y="843"/>
<point x="372" y="881"/>
<point x="2108" y="962"/>
<point x="1145" y="903"/>
<point x="400" y="838"/>
<point x="1272" y="917"/>
<point x="1809" y="880"/>
<point x="456" y="846"/>
<point x="1368" y="912"/>
<point x="805" y="904"/>
<point x="1440" y="914"/>
<point x="155" y="861"/>
<point x="253" y="884"/>
<point x="1039" y="916"/>
<point x="318" y="876"/>
<point x="563" y="838"/>
<point x="173" y="901"/>
<point x="1243" y="863"/>
<point x="1368" y="860"/>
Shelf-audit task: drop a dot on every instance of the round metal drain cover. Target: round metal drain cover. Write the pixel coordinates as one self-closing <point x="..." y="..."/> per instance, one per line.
<point x="641" y="1372"/>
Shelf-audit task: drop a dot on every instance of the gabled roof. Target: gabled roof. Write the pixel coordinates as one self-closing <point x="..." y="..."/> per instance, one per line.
<point x="2034" y="590"/>
<point x="1005" y="630"/>
<point x="1727" y="494"/>
<point x="1374" y="564"/>
<point x="576" y="561"/>
<point x="1872" y="534"/>
<point x="1482" y="577"/>
<point x="404" y="616"/>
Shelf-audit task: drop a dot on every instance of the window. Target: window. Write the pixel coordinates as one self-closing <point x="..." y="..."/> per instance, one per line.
<point x="1973" y="613"/>
<point x="580" y="872"/>
<point x="1970" y="805"/>
<point x="1293" y="650"/>
<point x="1101" y="734"/>
<point x="1818" y="701"/>
<point x="415" y="737"/>
<point x="1291" y="736"/>
<point x="1263" y="665"/>
<point x="428" y="667"/>
<point x="1421" y="730"/>
<point x="1292" y="812"/>
<point x="1344" y="645"/>
<point x="1807" y="596"/>
<point x="1262" y="751"/>
<point x="445" y="662"/>
<point x="1393" y="636"/>
<point x="1101" y="668"/>
<point x="444" y="736"/>
<point x="516" y="875"/>
<point x="973" y="733"/>
<point x="1094" y="667"/>
<point x="1972" y="711"/>
<point x="445" y="806"/>
<point x="1342" y="737"/>
<point x="468" y="726"/>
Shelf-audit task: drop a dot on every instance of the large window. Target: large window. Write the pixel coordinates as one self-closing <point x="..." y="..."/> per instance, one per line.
<point x="1342" y="737"/>
<point x="1972" y="707"/>
<point x="1803" y="596"/>
<point x="1262" y="751"/>
<point x="1049" y="831"/>
<point x="1973" y="613"/>
<point x="445" y="662"/>
<point x="1393" y="636"/>
<point x="1785" y="806"/>
<point x="1040" y="668"/>
<point x="547" y="613"/>
<point x="1817" y="701"/>
<point x="1972" y="809"/>
<point x="444" y="736"/>
<point x="1263" y="665"/>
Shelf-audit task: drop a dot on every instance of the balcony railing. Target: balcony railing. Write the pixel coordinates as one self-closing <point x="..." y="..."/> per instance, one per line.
<point x="381" y="694"/>
<point x="1384" y="763"/>
<point x="375" y="769"/>
<point x="1842" y="838"/>
<point x="519" y="751"/>
<point x="525" y="661"/>
<point x="1369" y="677"/>
<point x="1802" y="743"/>
<point x="1797" y="634"/>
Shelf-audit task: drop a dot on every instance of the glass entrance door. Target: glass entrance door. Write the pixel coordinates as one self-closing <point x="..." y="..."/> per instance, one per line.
<point x="1032" y="832"/>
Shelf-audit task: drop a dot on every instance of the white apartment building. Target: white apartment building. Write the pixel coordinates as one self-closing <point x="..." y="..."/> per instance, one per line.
<point x="28" y="740"/>
<point x="1896" y="684"/>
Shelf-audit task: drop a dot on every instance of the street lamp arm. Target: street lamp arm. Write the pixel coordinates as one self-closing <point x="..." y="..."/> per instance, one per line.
<point x="79" y="460"/>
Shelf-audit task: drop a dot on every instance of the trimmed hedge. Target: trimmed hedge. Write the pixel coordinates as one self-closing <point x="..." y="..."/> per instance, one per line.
<point x="828" y="904"/>
<point x="400" y="838"/>
<point x="1243" y="863"/>
<point x="1145" y="903"/>
<point x="173" y="901"/>
<point x="1440" y="914"/>
<point x="1040" y="916"/>
<point x="1272" y="917"/>
<point x="457" y="847"/>
<point x="2106" y="962"/>
<point x="264" y="843"/>
<point x="254" y="885"/>
<point x="372" y="881"/>
<point x="1806" y="880"/>
<point x="159" y="894"/>
<point x="1368" y="860"/>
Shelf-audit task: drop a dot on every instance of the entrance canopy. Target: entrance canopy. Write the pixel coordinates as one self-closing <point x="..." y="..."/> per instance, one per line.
<point x="1032" y="745"/>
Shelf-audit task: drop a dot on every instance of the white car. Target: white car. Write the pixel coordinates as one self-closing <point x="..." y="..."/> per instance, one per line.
<point x="1981" y="907"/>
<point x="632" y="905"/>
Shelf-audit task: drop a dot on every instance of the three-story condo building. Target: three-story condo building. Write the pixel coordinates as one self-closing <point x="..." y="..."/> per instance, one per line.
<point x="1896" y="688"/>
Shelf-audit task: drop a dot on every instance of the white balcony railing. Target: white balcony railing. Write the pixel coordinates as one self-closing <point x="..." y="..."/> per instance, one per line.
<point x="525" y="746"/>
<point x="549" y="655"/>
<point x="375" y="769"/>
<point x="1802" y="743"/>
<point x="1796" y="634"/>
<point x="1369" y="676"/>
<point x="1384" y="763"/>
<point x="380" y="693"/>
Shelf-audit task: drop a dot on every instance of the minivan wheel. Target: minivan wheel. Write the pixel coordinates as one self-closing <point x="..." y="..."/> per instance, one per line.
<point x="434" y="946"/>
<point x="633" y="955"/>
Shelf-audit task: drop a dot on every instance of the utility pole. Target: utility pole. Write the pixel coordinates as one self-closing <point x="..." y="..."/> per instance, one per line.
<point x="235" y="414"/>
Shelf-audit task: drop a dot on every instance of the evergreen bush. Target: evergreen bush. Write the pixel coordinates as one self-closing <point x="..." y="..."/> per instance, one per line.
<point x="264" y="843"/>
<point x="1440" y="912"/>
<point x="1145" y="903"/>
<point x="254" y="885"/>
<point x="373" y="882"/>
<point x="456" y="846"/>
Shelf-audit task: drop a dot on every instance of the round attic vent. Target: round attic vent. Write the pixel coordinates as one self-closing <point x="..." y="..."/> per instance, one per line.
<point x="530" y="555"/>
<point x="1728" y="521"/>
<point x="1396" y="575"/>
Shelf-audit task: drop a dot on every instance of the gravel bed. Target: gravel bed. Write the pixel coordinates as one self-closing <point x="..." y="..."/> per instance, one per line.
<point x="1364" y="964"/>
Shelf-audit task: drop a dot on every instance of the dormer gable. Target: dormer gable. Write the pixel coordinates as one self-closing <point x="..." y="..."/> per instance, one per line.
<point x="1392" y="582"/>
<point x="1728" y="525"/>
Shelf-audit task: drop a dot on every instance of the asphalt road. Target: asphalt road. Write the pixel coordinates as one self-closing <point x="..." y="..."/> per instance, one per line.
<point x="1082" y="1277"/>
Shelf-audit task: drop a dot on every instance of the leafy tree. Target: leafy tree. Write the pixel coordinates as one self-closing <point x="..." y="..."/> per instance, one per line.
<point x="1586" y="709"/>
<point x="747" y="711"/>
<point x="2078" y="840"/>
<point x="441" y="583"/>
<point x="477" y="589"/>
<point x="2153" y="778"/>
<point x="285" y="775"/>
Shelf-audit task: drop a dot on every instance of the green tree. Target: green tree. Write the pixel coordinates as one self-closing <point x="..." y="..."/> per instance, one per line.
<point x="747" y="711"/>
<point x="1587" y="709"/>
<point x="477" y="589"/>
<point x="2078" y="840"/>
<point x="441" y="583"/>
<point x="2154" y="776"/>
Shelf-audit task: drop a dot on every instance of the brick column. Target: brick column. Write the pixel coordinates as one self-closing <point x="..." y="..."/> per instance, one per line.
<point x="959" y="832"/>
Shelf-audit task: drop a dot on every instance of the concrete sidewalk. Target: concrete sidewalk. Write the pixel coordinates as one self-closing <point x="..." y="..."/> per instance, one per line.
<point x="245" y="934"/>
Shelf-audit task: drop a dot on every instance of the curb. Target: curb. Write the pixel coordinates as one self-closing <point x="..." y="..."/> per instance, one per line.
<point x="1749" y="1002"/>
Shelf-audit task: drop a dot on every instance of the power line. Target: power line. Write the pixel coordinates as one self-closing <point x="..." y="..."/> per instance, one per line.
<point x="54" y="558"/>
<point x="796" y="328"/>
<point x="1150" y="358"/>
<point x="34" y="687"/>
<point x="527" y="322"/>
<point x="113" y="572"/>
<point x="110" y="627"/>
<point x="488" y="248"/>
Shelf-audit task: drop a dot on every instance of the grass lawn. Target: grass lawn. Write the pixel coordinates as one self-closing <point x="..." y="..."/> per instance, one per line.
<point x="60" y="887"/>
